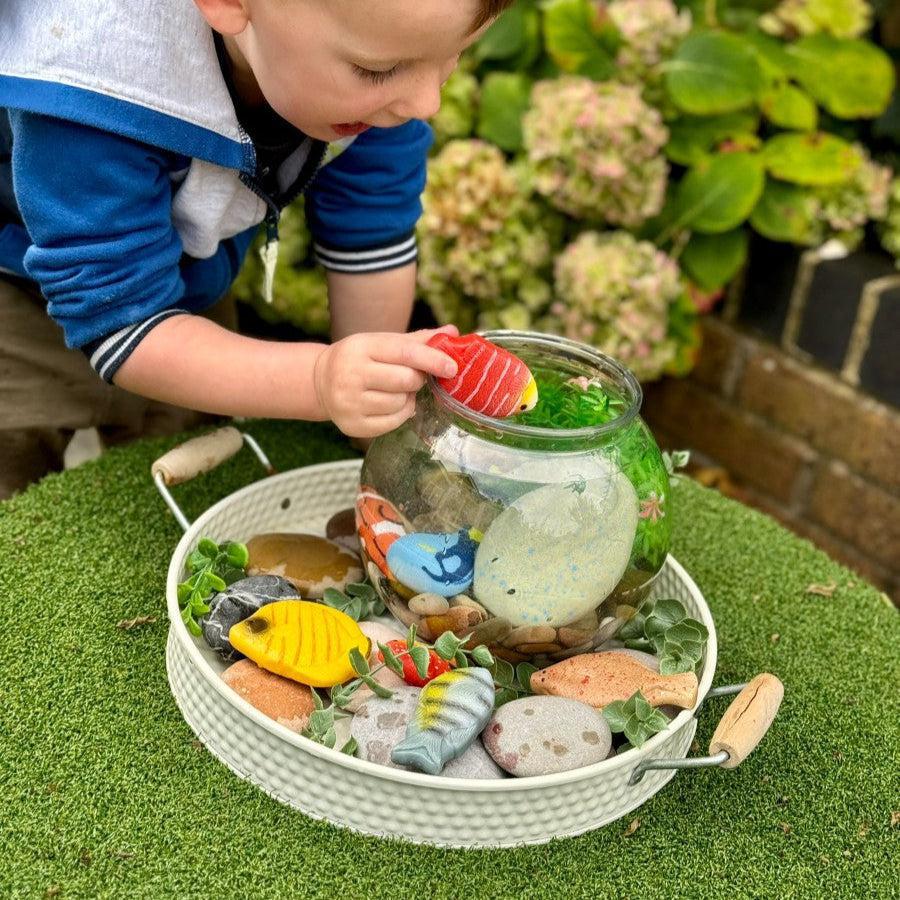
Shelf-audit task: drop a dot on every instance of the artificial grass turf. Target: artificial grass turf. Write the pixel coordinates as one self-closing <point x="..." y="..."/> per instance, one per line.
<point x="105" y="792"/>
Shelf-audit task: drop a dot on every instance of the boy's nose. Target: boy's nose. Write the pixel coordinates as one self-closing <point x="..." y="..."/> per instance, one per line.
<point x="423" y="98"/>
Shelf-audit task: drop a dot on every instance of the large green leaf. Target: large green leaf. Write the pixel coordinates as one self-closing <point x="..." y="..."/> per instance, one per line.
<point x="692" y="137"/>
<point x="786" y="212"/>
<point x="505" y="38"/>
<point x="504" y="99"/>
<point x="789" y="107"/>
<point x="713" y="72"/>
<point x="712" y="260"/>
<point x="852" y="79"/>
<point x="811" y="159"/>
<point x="771" y="55"/>
<point x="579" y="40"/>
<point x="719" y="193"/>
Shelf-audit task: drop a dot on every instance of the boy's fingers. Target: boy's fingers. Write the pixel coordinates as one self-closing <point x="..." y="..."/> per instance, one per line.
<point x="396" y="379"/>
<point x="380" y="403"/>
<point x="426" y="334"/>
<point x="408" y="350"/>
<point x="383" y="424"/>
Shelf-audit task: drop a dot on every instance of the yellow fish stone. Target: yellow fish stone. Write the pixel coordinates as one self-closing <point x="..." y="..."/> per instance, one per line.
<point x="305" y="641"/>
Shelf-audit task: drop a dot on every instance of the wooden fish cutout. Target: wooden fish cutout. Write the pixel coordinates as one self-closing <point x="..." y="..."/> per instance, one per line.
<point x="442" y="564"/>
<point x="599" y="679"/>
<point x="306" y="641"/>
<point x="489" y="379"/>
<point x="378" y="524"/>
<point x="453" y="710"/>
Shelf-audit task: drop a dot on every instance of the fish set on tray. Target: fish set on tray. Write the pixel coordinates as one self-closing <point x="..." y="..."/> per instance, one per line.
<point x="517" y="569"/>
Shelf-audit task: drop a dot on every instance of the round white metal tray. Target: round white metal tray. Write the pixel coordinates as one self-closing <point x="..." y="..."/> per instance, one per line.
<point x="364" y="796"/>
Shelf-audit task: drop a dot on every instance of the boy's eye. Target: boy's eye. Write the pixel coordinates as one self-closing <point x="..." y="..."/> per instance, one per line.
<point x="377" y="76"/>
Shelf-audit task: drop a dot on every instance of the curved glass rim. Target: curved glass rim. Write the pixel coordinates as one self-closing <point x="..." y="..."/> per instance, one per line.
<point x="587" y="353"/>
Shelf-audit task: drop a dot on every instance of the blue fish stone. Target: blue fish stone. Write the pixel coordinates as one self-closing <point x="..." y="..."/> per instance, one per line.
<point x="442" y="564"/>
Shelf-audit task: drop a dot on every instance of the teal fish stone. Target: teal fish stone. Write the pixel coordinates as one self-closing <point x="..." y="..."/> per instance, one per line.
<point x="453" y="710"/>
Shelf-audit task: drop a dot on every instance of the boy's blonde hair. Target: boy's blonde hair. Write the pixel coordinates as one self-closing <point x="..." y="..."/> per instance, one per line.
<point x="488" y="9"/>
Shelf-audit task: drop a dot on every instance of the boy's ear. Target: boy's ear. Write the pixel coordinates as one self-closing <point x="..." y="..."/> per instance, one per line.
<point x="224" y="16"/>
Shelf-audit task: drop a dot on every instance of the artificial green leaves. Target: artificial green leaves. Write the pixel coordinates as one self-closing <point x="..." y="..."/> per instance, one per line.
<point x="664" y="628"/>
<point x="212" y="568"/>
<point x="634" y="717"/>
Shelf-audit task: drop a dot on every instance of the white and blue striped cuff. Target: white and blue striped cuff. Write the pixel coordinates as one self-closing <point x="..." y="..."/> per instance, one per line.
<point x="374" y="260"/>
<point x="108" y="354"/>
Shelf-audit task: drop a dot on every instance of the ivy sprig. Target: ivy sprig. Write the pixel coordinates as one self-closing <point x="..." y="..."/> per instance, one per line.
<point x="664" y="628"/>
<point x="634" y="717"/>
<point x="448" y="647"/>
<point x="212" y="568"/>
<point x="321" y="726"/>
<point x="359" y="601"/>
<point x="513" y="681"/>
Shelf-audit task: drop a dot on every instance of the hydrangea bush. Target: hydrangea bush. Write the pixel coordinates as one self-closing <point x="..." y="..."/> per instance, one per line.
<point x="595" y="150"/>
<point x="586" y="150"/>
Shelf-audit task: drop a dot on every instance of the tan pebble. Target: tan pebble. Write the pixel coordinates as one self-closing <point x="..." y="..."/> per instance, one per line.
<point x="311" y="562"/>
<point x="400" y="611"/>
<point x="625" y="612"/>
<point x="573" y="637"/>
<point x="528" y="649"/>
<point x="429" y="605"/>
<point x="530" y="634"/>
<point x="458" y="620"/>
<point x="488" y="632"/>
<point x="467" y="601"/>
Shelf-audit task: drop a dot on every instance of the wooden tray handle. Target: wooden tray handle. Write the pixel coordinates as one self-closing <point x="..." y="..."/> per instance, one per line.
<point x="198" y="455"/>
<point x="747" y="719"/>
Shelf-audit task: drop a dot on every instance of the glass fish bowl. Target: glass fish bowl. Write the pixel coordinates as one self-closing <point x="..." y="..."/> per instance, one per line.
<point x="535" y="539"/>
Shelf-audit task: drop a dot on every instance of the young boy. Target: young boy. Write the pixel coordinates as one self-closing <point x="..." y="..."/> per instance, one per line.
<point x="141" y="144"/>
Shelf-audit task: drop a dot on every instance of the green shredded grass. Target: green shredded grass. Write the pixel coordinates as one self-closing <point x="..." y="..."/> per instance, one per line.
<point x="563" y="404"/>
<point x="105" y="792"/>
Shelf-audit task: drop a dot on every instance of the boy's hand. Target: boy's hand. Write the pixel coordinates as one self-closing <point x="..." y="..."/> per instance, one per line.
<point x="367" y="383"/>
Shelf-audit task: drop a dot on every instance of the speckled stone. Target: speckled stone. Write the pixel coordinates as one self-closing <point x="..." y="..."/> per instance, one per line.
<point x="380" y="725"/>
<point x="555" y="553"/>
<point x="287" y="702"/>
<point x="238" y="602"/>
<point x="545" y="735"/>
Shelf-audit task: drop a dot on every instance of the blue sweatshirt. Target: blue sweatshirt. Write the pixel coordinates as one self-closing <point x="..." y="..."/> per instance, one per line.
<point x="129" y="191"/>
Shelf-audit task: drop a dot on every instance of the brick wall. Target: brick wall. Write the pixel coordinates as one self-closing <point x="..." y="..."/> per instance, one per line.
<point x="796" y="442"/>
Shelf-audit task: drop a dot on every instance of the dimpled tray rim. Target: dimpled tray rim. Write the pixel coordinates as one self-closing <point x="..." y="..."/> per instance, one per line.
<point x="362" y="796"/>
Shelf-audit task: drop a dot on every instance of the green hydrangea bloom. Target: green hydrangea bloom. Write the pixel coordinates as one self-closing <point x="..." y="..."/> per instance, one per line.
<point x="797" y="18"/>
<point x="844" y="209"/>
<point x="651" y="31"/>
<point x="485" y="247"/>
<point x="595" y="150"/>
<point x="459" y="105"/>
<point x="890" y="228"/>
<point x="619" y="294"/>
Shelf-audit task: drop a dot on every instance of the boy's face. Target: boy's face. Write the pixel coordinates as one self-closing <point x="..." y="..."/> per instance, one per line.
<point x="331" y="67"/>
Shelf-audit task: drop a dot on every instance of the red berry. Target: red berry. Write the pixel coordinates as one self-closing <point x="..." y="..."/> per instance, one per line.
<point x="436" y="665"/>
